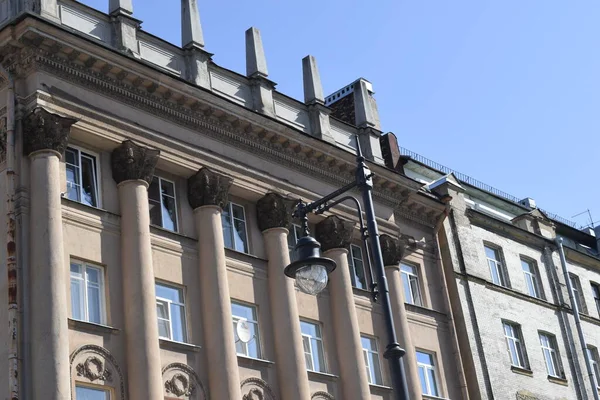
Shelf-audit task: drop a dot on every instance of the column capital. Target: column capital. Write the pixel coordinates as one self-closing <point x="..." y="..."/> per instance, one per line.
<point x="392" y="249"/>
<point x="130" y="161"/>
<point x="334" y="232"/>
<point x="208" y="188"/>
<point x="274" y="211"/>
<point x="46" y="131"/>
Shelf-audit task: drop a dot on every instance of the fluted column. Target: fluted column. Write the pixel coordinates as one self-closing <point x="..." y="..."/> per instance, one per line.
<point x="335" y="236"/>
<point x="46" y="137"/>
<point x="393" y="251"/>
<point x="133" y="169"/>
<point x="207" y="194"/>
<point x="274" y="217"/>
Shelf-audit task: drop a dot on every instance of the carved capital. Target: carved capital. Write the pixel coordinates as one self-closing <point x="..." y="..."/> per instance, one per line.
<point x="274" y="211"/>
<point x="130" y="161"/>
<point x="208" y="188"/>
<point x="334" y="233"/>
<point x="43" y="130"/>
<point x="392" y="249"/>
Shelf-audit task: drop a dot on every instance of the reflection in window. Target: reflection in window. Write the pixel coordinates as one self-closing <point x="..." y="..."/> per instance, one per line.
<point x="371" y="355"/>
<point x="234" y="227"/>
<point x="89" y="393"/>
<point x="87" y="292"/>
<point x="357" y="268"/>
<point x="313" y="346"/>
<point x="410" y="281"/>
<point x="427" y="373"/>
<point x="161" y="201"/>
<point x="170" y="308"/>
<point x="243" y="313"/>
<point x="82" y="178"/>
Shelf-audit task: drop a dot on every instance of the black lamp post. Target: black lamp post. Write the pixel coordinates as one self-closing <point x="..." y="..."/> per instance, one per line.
<point x="311" y="270"/>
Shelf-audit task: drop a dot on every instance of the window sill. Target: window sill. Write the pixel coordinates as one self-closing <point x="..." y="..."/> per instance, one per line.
<point x="558" y="381"/>
<point x="254" y="362"/>
<point x="521" y="371"/>
<point x="178" y="346"/>
<point x="91" y="327"/>
<point x="379" y="388"/>
<point x="428" y="396"/>
<point x="322" y="376"/>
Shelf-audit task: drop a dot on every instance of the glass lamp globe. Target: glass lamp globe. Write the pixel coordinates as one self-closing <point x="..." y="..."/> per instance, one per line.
<point x="310" y="270"/>
<point x="312" y="278"/>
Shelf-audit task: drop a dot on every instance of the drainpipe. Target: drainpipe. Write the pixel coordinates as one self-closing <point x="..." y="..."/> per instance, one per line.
<point x="574" y="305"/>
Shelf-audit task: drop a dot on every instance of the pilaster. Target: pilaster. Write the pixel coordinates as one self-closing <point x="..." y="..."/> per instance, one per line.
<point x="274" y="217"/>
<point x="256" y="70"/>
<point x="315" y="100"/>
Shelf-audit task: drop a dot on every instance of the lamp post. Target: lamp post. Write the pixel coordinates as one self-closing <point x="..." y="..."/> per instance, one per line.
<point x="311" y="270"/>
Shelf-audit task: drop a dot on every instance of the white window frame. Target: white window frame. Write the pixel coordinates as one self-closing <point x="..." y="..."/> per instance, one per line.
<point x="497" y="265"/>
<point x="168" y="303"/>
<point x="295" y="231"/>
<point x="533" y="276"/>
<point x="251" y="321"/>
<point x="351" y="259"/>
<point x="105" y="389"/>
<point x="310" y="345"/>
<point x="516" y="338"/>
<point x="412" y="276"/>
<point x="232" y="222"/>
<point x="374" y="378"/>
<point x="577" y="292"/>
<point x="596" y="294"/>
<point x="592" y="353"/>
<point x="97" y="175"/>
<point x="550" y="350"/>
<point x="427" y="367"/>
<point x="174" y="197"/>
<point x="83" y="301"/>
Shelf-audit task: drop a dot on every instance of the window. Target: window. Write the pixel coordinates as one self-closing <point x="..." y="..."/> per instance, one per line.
<point x="531" y="278"/>
<point x="82" y="177"/>
<point x="496" y="271"/>
<point x="427" y="374"/>
<point x="514" y="343"/>
<point x="410" y="281"/>
<point x="357" y="268"/>
<point x="88" y="393"/>
<point x="576" y="285"/>
<point x="234" y="227"/>
<point x="313" y="346"/>
<point x="592" y="353"/>
<point x="245" y="314"/>
<point x="549" y="348"/>
<point x="596" y="292"/>
<point x="161" y="199"/>
<point x="293" y="237"/>
<point x="170" y="309"/>
<point x="87" y="292"/>
<point x="371" y="355"/>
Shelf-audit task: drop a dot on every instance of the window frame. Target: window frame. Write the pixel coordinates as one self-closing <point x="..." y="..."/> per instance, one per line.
<point x="232" y="223"/>
<point x="97" y="173"/>
<point x="293" y="232"/>
<point x="184" y="328"/>
<point x="160" y="179"/>
<point x="592" y="353"/>
<point x="371" y="372"/>
<point x="431" y="367"/>
<point x="519" y="344"/>
<point x="596" y="295"/>
<point x="552" y="349"/>
<point x="107" y="389"/>
<point x="256" y="323"/>
<point x="499" y="264"/>
<point x="534" y="275"/>
<point x="319" y="330"/>
<point x="578" y="293"/>
<point x="83" y="303"/>
<point x="417" y="277"/>
<point x="351" y="264"/>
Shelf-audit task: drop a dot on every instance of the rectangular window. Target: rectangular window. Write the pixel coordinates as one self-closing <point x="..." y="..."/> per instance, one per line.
<point x="576" y="284"/>
<point x="410" y="281"/>
<point x="371" y="355"/>
<point x="234" y="227"/>
<point x="88" y="393"/>
<point x="170" y="307"/>
<point x="82" y="177"/>
<point x="357" y="268"/>
<point x="531" y="278"/>
<point x="550" y="351"/>
<point x="161" y="201"/>
<point x="87" y="292"/>
<point x="495" y="265"/>
<point x="313" y="346"/>
<point x="596" y="292"/>
<point x="293" y="236"/>
<point x="246" y="323"/>
<point x="514" y="343"/>
<point x="427" y="374"/>
<point x="592" y="353"/>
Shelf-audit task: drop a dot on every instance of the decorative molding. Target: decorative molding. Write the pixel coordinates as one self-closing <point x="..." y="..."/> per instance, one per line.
<point x="130" y="161"/>
<point x="184" y="382"/>
<point x="94" y="367"/>
<point x="256" y="389"/>
<point x="208" y="188"/>
<point x="322" y="396"/>
<point x="334" y="233"/>
<point x="43" y="130"/>
<point x="179" y="385"/>
<point x="274" y="211"/>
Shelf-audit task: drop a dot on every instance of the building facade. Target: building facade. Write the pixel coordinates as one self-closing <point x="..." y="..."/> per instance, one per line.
<point x="148" y="210"/>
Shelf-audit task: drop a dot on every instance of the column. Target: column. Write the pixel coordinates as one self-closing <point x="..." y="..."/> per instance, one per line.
<point x="256" y="70"/>
<point x="335" y="236"/>
<point x="207" y="194"/>
<point x="315" y="101"/>
<point x="274" y="217"/>
<point x="45" y="139"/>
<point x="393" y="251"/>
<point x="132" y="170"/>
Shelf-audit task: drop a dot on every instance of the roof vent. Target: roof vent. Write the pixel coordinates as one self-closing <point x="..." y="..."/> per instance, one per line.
<point x="528" y="202"/>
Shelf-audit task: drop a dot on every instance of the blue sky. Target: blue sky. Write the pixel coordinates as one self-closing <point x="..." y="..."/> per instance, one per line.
<point x="507" y="91"/>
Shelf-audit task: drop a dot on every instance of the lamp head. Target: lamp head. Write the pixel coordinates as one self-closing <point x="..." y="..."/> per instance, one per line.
<point x="310" y="270"/>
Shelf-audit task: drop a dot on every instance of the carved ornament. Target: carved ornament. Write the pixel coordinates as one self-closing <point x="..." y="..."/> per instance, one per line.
<point x="130" y="161"/>
<point x="322" y="396"/>
<point x="93" y="369"/>
<point x="43" y="130"/>
<point x="334" y="233"/>
<point x="392" y="249"/>
<point x="95" y="363"/>
<point x="256" y="389"/>
<point x="179" y="385"/>
<point x="182" y="381"/>
<point x="274" y="211"/>
<point x="208" y="188"/>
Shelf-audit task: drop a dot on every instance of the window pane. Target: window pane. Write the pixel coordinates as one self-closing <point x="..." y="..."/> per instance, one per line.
<point x="432" y="384"/>
<point x="240" y="236"/>
<point x="414" y="286"/>
<point x="377" y="369"/>
<point x="168" y="188"/>
<point x="238" y="212"/>
<point x="526" y="266"/>
<point x="366" y="343"/>
<point x="359" y="271"/>
<point x="89" y="184"/>
<point x="319" y="356"/>
<point x="92" y="275"/>
<point x="71" y="156"/>
<point x="242" y="311"/>
<point x="178" y="323"/>
<point x="307" y="353"/>
<point x="407" y="293"/>
<point x="169" y="214"/>
<point x="423" y="380"/>
<point x="227" y="227"/>
<point x="163" y="322"/>
<point x="494" y="272"/>
<point x="86" y="393"/>
<point x="154" y="190"/>
<point x="309" y="329"/>
<point x="94" y="310"/>
<point x="169" y="293"/>
<point x="72" y="182"/>
<point x="491" y="253"/>
<point x="424" y="358"/>
<point x="76" y="298"/>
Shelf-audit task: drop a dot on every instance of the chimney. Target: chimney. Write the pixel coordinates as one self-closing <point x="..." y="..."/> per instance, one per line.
<point x="355" y="105"/>
<point x="528" y="202"/>
<point x="391" y="152"/>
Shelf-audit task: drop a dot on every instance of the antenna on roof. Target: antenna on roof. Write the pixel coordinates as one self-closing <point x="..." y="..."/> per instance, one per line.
<point x="591" y="222"/>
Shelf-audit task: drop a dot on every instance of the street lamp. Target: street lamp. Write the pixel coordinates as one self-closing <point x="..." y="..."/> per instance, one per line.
<point x="311" y="270"/>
